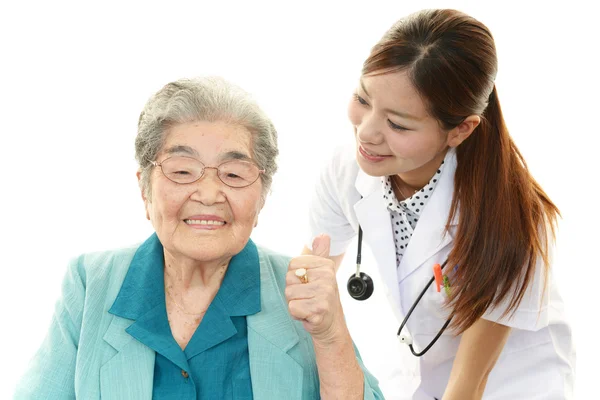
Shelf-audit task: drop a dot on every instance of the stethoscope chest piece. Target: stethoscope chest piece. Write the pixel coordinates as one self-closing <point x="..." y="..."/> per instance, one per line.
<point x="360" y="287"/>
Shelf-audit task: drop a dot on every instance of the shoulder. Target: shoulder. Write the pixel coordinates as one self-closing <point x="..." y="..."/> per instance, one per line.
<point x="105" y="268"/>
<point x="336" y="186"/>
<point x="342" y="165"/>
<point x="274" y="261"/>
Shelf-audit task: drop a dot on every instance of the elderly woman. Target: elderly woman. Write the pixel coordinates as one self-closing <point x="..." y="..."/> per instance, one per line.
<point x="198" y="310"/>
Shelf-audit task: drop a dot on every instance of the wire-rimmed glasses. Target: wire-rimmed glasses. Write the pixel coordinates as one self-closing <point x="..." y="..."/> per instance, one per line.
<point x="233" y="173"/>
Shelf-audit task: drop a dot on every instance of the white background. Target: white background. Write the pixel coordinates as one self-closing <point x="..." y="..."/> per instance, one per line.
<point x="74" y="77"/>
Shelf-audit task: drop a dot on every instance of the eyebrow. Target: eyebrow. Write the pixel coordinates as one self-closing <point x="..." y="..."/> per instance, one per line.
<point x="230" y="155"/>
<point x="235" y="155"/>
<point x="182" y="149"/>
<point x="389" y="111"/>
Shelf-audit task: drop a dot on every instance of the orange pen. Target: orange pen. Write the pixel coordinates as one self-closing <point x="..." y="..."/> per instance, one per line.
<point x="439" y="280"/>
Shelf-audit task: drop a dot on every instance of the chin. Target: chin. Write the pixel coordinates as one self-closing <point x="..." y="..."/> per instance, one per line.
<point x="375" y="170"/>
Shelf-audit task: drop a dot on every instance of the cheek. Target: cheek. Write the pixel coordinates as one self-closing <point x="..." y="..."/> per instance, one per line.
<point x="245" y="208"/>
<point x="401" y="144"/>
<point x="167" y="204"/>
<point x="414" y="144"/>
<point x="355" y="113"/>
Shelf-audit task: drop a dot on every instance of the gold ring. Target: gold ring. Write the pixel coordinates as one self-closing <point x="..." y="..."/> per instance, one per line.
<point x="301" y="274"/>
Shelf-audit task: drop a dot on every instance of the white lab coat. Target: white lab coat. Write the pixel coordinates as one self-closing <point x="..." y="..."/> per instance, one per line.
<point x="538" y="359"/>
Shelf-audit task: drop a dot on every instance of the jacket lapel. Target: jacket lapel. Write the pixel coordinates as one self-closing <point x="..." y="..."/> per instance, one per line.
<point x="130" y="373"/>
<point x="374" y="218"/>
<point x="271" y="335"/>
<point x="429" y="236"/>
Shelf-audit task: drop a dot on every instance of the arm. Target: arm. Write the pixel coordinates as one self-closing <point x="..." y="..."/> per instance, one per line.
<point x="479" y="349"/>
<point x="326" y="211"/>
<point x="342" y="374"/>
<point x="51" y="373"/>
<point x="316" y="303"/>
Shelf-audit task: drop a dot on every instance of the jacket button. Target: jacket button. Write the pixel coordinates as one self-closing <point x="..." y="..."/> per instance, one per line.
<point x="184" y="374"/>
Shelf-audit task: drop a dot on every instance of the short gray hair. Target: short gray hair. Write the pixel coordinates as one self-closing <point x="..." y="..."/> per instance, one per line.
<point x="204" y="99"/>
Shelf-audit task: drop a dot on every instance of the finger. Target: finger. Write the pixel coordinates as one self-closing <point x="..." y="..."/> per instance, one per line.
<point x="321" y="245"/>
<point x="313" y="275"/>
<point x="299" y="292"/>
<point x="299" y="309"/>
<point x="291" y="279"/>
<point x="310" y="262"/>
<point x="309" y="310"/>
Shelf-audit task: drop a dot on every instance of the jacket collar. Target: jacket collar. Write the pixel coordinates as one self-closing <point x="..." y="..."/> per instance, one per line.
<point x="143" y="288"/>
<point x="271" y="335"/>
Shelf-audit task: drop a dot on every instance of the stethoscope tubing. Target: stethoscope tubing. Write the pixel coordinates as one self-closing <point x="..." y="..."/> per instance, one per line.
<point x="412" y="308"/>
<point x="359" y="251"/>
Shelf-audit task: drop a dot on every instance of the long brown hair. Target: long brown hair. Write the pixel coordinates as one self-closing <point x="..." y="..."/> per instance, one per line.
<point x="505" y="220"/>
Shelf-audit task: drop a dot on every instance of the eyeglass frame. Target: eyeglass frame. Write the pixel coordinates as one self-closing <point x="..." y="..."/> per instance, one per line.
<point x="159" y="164"/>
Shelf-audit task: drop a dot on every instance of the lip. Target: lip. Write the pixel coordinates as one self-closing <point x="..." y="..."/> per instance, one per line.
<point x="370" y="157"/>
<point x="205" y="217"/>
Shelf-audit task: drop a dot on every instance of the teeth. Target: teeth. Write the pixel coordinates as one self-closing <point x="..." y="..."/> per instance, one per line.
<point x="371" y="154"/>
<point x="203" y="222"/>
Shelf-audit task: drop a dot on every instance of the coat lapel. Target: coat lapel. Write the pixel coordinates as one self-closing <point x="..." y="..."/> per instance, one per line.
<point x="427" y="240"/>
<point x="271" y="335"/>
<point x="429" y="236"/>
<point x="130" y="373"/>
<point x="374" y="219"/>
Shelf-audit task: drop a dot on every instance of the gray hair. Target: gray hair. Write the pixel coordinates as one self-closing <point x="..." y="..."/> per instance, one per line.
<point x="204" y="99"/>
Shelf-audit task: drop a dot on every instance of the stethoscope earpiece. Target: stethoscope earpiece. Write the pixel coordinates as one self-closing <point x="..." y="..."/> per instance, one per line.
<point x="360" y="287"/>
<point x="405" y="339"/>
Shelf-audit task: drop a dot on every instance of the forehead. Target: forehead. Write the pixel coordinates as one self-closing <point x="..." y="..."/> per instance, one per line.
<point x="395" y="91"/>
<point x="209" y="139"/>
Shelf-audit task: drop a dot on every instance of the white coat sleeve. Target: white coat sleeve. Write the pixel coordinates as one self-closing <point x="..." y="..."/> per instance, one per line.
<point x="326" y="214"/>
<point x="532" y="312"/>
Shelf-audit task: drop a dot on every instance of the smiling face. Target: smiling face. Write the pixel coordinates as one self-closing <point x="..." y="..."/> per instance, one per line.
<point x="394" y="132"/>
<point x="206" y="220"/>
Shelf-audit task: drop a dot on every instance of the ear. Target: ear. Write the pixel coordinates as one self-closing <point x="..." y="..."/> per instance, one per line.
<point x="460" y="133"/>
<point x="138" y="174"/>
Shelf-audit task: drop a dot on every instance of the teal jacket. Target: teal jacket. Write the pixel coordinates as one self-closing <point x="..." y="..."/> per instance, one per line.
<point x="88" y="355"/>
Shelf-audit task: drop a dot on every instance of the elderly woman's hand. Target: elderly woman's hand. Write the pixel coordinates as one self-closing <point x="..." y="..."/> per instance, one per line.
<point x="316" y="302"/>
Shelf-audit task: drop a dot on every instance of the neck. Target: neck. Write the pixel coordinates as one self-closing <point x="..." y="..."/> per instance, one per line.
<point x="415" y="180"/>
<point x="183" y="274"/>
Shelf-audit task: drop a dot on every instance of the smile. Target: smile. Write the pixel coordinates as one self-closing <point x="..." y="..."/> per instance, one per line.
<point x="203" y="222"/>
<point x="370" y="156"/>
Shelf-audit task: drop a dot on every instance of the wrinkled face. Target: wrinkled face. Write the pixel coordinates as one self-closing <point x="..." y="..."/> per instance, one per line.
<point x="205" y="220"/>
<point x="394" y="132"/>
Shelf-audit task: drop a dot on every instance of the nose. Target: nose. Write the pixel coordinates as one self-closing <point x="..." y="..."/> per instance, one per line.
<point x="369" y="129"/>
<point x="209" y="188"/>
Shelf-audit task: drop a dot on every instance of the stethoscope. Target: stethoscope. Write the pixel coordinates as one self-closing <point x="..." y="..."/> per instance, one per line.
<point x="360" y="287"/>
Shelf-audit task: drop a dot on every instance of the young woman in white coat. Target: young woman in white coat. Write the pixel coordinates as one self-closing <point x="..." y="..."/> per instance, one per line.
<point x="435" y="176"/>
